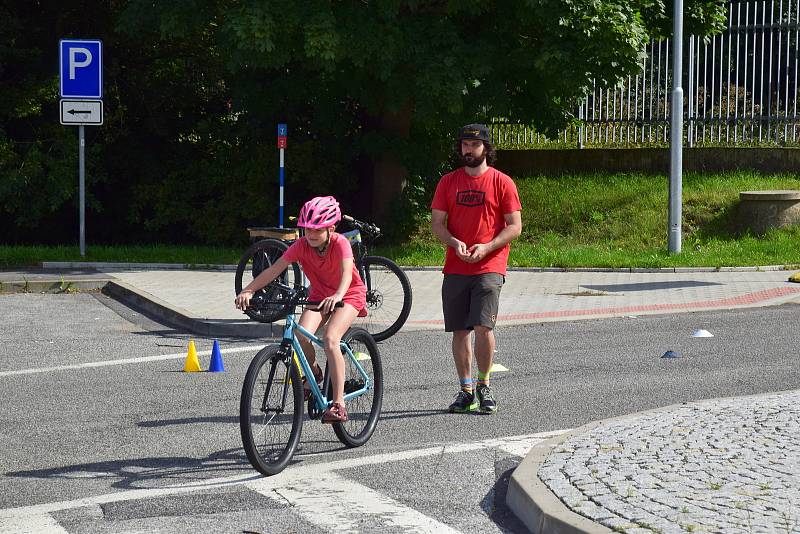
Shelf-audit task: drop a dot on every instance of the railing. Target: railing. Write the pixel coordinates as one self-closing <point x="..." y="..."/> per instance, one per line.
<point x="740" y="89"/>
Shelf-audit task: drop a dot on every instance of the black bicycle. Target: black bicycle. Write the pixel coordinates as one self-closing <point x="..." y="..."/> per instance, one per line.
<point x="388" y="288"/>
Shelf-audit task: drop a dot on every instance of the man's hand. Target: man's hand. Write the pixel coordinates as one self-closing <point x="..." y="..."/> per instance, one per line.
<point x="461" y="249"/>
<point x="477" y="252"/>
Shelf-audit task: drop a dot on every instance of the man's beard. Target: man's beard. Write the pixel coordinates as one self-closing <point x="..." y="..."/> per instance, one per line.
<point x="473" y="161"/>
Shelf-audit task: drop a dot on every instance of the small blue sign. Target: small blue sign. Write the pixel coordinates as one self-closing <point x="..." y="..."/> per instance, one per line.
<point x="81" y="67"/>
<point x="282" y="130"/>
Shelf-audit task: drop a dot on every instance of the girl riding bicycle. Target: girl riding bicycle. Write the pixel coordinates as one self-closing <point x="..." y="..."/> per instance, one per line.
<point x="326" y="258"/>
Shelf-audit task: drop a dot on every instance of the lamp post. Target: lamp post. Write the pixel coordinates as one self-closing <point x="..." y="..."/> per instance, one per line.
<point x="676" y="134"/>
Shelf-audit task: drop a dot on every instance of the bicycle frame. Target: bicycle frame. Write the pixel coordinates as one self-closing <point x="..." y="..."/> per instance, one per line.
<point x="290" y="340"/>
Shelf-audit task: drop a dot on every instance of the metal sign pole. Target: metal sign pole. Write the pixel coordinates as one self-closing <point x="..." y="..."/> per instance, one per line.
<point x="81" y="90"/>
<point x="676" y="135"/>
<point x="82" y="189"/>
<point x="281" y="147"/>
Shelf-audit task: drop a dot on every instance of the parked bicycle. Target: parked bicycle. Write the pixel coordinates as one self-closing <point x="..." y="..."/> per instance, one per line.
<point x="271" y="408"/>
<point x="388" y="288"/>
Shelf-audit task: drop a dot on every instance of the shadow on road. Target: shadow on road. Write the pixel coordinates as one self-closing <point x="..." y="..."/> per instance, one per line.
<point x="140" y="472"/>
<point x="650" y="286"/>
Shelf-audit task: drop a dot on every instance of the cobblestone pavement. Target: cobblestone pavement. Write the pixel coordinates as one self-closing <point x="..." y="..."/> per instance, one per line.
<point x="723" y="465"/>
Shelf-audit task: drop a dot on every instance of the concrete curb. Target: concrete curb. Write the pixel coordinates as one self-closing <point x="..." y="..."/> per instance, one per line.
<point x="141" y="300"/>
<point x="533" y="502"/>
<point x="110" y="266"/>
<point x="198" y="267"/>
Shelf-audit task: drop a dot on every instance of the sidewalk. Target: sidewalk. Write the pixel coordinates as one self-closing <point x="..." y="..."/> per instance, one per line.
<point x="629" y="487"/>
<point x="202" y="300"/>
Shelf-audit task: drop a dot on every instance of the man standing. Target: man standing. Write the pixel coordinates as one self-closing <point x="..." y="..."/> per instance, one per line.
<point x="476" y="214"/>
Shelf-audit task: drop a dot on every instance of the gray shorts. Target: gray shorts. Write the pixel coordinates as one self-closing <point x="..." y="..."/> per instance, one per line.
<point x="469" y="300"/>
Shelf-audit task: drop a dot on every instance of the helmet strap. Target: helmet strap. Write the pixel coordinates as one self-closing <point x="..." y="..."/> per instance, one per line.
<point x="324" y="248"/>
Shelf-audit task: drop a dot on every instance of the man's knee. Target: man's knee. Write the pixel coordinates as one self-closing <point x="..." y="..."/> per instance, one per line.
<point x="483" y="331"/>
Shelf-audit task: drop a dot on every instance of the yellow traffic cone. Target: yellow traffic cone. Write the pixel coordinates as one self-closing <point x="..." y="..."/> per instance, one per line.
<point x="192" y="364"/>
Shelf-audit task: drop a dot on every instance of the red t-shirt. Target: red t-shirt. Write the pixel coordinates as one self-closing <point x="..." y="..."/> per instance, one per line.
<point x="325" y="272"/>
<point x="475" y="207"/>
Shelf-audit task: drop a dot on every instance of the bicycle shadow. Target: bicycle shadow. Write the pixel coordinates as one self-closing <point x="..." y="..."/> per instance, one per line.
<point x="188" y="421"/>
<point x="316" y="438"/>
<point x="145" y="473"/>
<point x="407" y="414"/>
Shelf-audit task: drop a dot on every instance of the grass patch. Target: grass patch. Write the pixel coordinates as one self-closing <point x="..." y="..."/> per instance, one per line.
<point x="27" y="256"/>
<point x="620" y="220"/>
<point x="596" y="220"/>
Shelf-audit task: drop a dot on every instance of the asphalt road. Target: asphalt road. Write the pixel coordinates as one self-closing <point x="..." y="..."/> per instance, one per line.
<point x="122" y="440"/>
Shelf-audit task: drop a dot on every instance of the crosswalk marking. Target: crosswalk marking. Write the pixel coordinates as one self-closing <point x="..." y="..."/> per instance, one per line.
<point x="334" y="502"/>
<point x="31" y="524"/>
<point x="298" y="484"/>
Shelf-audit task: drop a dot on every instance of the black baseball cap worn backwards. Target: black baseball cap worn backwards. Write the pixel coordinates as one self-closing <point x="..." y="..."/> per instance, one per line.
<point x="478" y="132"/>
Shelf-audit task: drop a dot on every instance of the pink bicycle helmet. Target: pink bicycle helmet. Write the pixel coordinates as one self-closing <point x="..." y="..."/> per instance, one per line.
<point x="319" y="212"/>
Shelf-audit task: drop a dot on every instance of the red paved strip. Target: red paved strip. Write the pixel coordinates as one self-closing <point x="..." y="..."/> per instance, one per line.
<point x="741" y="300"/>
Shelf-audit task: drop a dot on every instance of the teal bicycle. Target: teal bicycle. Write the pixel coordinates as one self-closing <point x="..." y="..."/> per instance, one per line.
<point x="272" y="407"/>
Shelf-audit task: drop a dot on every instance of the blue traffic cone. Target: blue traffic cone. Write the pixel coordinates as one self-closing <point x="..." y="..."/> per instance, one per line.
<point x="216" y="365"/>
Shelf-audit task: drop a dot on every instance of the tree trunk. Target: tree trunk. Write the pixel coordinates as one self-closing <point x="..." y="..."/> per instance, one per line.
<point x="389" y="174"/>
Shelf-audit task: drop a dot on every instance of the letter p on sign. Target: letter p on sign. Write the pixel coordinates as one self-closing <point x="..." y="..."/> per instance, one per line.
<point x="73" y="60"/>
<point x="81" y="64"/>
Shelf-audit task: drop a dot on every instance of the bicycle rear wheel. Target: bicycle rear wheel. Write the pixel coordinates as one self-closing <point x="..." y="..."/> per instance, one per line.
<point x="388" y="297"/>
<point x="254" y="261"/>
<point x="271" y="411"/>
<point x="363" y="411"/>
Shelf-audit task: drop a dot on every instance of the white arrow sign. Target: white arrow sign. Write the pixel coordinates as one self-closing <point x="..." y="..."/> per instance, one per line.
<point x="77" y="112"/>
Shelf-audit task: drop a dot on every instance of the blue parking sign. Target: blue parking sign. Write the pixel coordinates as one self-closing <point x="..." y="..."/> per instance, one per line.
<point x="81" y="69"/>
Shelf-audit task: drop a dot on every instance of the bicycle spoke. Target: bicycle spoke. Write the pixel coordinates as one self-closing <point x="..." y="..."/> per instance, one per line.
<point x="364" y="409"/>
<point x="271" y="411"/>
<point x="388" y="297"/>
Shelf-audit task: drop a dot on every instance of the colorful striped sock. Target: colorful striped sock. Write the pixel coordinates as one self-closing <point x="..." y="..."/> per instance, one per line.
<point x="483" y="378"/>
<point x="466" y="385"/>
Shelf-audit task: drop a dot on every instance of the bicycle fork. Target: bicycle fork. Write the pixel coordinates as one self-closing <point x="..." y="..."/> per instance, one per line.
<point x="280" y="358"/>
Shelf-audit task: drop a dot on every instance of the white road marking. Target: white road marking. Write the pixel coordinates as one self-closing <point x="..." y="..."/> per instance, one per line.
<point x="353" y="503"/>
<point x="33" y="524"/>
<point x="36" y="518"/>
<point x="124" y="361"/>
<point x="498" y="368"/>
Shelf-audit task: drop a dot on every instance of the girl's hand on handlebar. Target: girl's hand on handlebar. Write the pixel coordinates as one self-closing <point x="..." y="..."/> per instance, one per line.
<point x="328" y="304"/>
<point x="243" y="299"/>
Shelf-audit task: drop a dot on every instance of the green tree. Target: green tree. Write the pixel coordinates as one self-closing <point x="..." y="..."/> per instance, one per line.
<point x="387" y="81"/>
<point x="372" y="92"/>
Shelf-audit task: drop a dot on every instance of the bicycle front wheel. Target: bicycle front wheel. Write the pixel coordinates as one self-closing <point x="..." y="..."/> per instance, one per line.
<point x="364" y="410"/>
<point x="271" y="411"/>
<point x="388" y="297"/>
<point x="260" y="256"/>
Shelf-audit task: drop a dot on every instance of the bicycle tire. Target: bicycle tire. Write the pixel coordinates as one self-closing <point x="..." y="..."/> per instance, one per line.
<point x="388" y="297"/>
<point x="363" y="411"/>
<point x="270" y="438"/>
<point x="259" y="256"/>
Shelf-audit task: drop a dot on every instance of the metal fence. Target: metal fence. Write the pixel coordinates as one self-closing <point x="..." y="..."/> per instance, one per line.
<point x="740" y="89"/>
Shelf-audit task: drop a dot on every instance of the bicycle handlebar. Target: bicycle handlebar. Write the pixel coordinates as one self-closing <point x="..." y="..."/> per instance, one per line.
<point x="372" y="229"/>
<point x="298" y="298"/>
